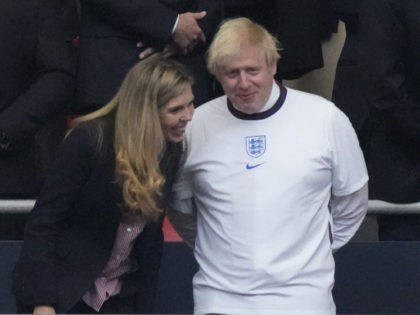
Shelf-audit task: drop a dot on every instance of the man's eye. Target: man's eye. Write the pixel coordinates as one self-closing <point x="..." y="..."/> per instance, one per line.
<point x="231" y="74"/>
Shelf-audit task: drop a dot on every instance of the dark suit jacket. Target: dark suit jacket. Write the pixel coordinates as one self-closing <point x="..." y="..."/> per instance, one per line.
<point x="390" y="64"/>
<point x="36" y="84"/>
<point x="72" y="228"/>
<point x="348" y="93"/>
<point x="109" y="33"/>
<point x="300" y="26"/>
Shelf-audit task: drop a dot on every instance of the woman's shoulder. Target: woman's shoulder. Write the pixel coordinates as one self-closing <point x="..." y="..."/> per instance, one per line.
<point x="97" y="134"/>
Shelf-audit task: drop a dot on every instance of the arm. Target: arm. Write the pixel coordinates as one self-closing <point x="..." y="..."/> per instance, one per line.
<point x="183" y="217"/>
<point x="349" y="190"/>
<point x="182" y="211"/>
<point x="347" y="214"/>
<point x="150" y="21"/>
<point x="188" y="33"/>
<point x="384" y="46"/>
<point x="52" y="85"/>
<point x="186" y="36"/>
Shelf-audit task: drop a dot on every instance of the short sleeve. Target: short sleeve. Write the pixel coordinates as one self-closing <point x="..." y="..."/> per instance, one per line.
<point x="349" y="172"/>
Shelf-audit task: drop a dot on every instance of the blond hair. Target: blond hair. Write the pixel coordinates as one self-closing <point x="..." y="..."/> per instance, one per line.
<point x="139" y="142"/>
<point x="236" y="33"/>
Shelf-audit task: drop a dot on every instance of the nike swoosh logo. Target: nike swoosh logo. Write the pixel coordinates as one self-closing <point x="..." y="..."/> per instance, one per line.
<point x="251" y="166"/>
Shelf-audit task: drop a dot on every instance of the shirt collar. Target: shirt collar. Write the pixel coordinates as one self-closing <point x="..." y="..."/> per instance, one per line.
<point x="273" y="104"/>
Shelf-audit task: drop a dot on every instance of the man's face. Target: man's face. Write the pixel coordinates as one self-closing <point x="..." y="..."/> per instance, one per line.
<point x="247" y="79"/>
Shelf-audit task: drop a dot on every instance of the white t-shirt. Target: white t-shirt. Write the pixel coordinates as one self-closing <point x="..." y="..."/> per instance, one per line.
<point x="262" y="185"/>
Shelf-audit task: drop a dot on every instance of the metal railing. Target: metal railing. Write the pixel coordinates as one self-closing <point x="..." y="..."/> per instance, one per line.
<point x="11" y="206"/>
<point x="379" y="207"/>
<point x="376" y="207"/>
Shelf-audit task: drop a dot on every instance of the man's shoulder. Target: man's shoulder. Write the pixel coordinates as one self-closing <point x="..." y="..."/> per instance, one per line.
<point x="292" y="92"/>
<point x="218" y="101"/>
<point x="308" y="101"/>
<point x="212" y="107"/>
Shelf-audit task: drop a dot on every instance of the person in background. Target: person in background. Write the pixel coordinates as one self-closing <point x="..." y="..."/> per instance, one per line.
<point x="93" y="241"/>
<point x="277" y="180"/>
<point x="302" y="26"/>
<point x="348" y="92"/>
<point x="389" y="62"/>
<point x="115" y="35"/>
<point x="36" y="90"/>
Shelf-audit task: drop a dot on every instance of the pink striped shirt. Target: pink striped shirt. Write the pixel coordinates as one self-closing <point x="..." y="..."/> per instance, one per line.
<point x="108" y="283"/>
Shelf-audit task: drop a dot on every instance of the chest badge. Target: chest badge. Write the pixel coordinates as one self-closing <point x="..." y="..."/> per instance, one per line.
<point x="255" y="145"/>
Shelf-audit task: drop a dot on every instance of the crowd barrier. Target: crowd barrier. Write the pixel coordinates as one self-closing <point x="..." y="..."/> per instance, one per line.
<point x="376" y="207"/>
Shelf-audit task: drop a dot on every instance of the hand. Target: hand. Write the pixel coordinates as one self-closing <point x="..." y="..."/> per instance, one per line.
<point x="147" y="51"/>
<point x="43" y="310"/>
<point x="188" y="33"/>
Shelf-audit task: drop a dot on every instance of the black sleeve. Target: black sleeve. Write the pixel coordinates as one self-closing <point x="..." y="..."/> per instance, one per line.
<point x="298" y="28"/>
<point x="146" y="20"/>
<point x="345" y="8"/>
<point x="52" y="86"/>
<point x="384" y="68"/>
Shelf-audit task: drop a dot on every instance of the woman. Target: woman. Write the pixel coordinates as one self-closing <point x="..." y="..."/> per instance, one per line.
<point x="93" y="241"/>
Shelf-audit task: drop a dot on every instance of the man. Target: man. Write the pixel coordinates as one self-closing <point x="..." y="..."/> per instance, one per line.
<point x="36" y="86"/>
<point x="278" y="182"/>
<point x="390" y="67"/>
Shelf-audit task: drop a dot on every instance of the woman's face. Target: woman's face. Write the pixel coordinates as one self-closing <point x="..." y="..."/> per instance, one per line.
<point x="175" y="115"/>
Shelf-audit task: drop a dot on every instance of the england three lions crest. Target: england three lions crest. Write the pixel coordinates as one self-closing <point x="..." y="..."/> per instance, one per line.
<point x="255" y="145"/>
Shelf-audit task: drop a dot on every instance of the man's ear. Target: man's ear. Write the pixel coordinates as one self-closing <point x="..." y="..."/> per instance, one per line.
<point x="273" y="68"/>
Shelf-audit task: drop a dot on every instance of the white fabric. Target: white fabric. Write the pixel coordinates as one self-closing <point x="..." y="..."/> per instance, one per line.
<point x="346" y="215"/>
<point x="263" y="234"/>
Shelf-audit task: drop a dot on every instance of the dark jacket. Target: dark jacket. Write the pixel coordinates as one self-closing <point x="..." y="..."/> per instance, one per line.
<point x="348" y="92"/>
<point x="390" y="64"/>
<point x="110" y="31"/>
<point x="299" y="25"/>
<point x="36" y="85"/>
<point x="71" y="230"/>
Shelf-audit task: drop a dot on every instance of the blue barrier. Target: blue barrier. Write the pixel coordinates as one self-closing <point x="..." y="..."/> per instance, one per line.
<point x="378" y="278"/>
<point x="371" y="278"/>
<point x="174" y="294"/>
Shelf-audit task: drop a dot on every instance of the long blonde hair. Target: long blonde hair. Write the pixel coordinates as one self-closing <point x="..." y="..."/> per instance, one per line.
<point x="139" y="142"/>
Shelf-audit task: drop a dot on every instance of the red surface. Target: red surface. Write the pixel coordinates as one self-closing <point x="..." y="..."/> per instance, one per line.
<point x="169" y="233"/>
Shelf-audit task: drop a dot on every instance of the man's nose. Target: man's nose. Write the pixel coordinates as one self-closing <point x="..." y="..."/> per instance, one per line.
<point x="243" y="80"/>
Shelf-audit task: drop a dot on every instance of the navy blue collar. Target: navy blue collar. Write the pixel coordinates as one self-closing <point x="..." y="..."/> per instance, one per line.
<point x="261" y="115"/>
